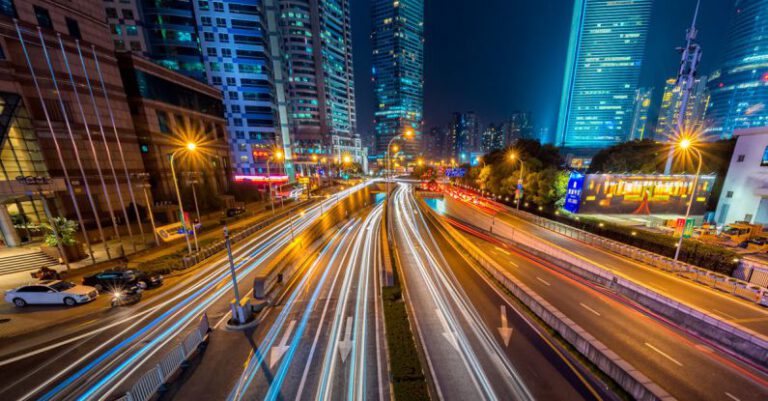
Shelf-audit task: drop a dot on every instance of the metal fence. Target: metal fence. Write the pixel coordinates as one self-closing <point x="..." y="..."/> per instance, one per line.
<point x="149" y="383"/>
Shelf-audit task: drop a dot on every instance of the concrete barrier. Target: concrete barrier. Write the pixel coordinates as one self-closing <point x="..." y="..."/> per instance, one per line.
<point x="630" y="379"/>
<point x="283" y="266"/>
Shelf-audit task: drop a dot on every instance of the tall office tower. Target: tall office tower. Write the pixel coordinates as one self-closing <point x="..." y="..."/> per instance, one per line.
<point x="435" y="143"/>
<point x="518" y="126"/>
<point x="493" y="139"/>
<point x="224" y="44"/>
<point x="671" y="103"/>
<point x="463" y="128"/>
<point x="398" y="70"/>
<point x="740" y="88"/>
<point x="317" y="49"/>
<point x="640" y="114"/>
<point x="602" y="70"/>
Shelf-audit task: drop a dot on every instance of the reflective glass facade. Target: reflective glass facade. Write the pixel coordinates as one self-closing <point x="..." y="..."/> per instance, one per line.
<point x="739" y="90"/>
<point x="603" y="66"/>
<point x="398" y="70"/>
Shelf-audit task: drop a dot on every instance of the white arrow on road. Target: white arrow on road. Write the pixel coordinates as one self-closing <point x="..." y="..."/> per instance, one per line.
<point x="278" y="351"/>
<point x="345" y="345"/>
<point x="447" y="332"/>
<point x="505" y="330"/>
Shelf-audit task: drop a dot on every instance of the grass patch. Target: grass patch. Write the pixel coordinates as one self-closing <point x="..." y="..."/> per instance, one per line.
<point x="408" y="381"/>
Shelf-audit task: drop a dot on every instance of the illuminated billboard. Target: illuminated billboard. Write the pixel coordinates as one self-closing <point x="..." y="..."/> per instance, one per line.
<point x="641" y="194"/>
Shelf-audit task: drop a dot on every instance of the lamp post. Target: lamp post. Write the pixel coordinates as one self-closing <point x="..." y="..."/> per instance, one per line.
<point x="191" y="148"/>
<point x="276" y="155"/>
<point x="192" y="180"/>
<point x="686" y="144"/>
<point x="514" y="157"/>
<point x="407" y="134"/>
<point x="145" y="186"/>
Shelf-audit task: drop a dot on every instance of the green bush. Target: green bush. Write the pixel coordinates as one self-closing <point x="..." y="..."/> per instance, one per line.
<point x="408" y="380"/>
<point x="714" y="258"/>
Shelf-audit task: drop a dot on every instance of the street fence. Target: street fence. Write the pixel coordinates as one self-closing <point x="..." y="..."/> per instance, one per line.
<point x="153" y="380"/>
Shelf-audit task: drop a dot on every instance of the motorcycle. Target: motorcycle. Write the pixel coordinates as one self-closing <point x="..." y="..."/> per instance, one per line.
<point x="126" y="296"/>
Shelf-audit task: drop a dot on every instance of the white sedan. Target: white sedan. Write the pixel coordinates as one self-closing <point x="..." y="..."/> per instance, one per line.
<point x="51" y="292"/>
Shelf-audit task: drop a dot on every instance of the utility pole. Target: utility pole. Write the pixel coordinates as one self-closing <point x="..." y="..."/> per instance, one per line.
<point x="686" y="77"/>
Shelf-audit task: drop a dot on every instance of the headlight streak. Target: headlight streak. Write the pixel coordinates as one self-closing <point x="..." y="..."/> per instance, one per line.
<point x="271" y="245"/>
<point x="257" y="360"/>
<point x="406" y="209"/>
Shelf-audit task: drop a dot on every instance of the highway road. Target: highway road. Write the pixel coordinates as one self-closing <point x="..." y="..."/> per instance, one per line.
<point x="100" y="358"/>
<point x="685" y="366"/>
<point x="726" y="307"/>
<point x="477" y="344"/>
<point x="324" y="339"/>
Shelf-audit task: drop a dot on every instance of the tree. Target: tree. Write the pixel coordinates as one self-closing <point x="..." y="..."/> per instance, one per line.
<point x="63" y="234"/>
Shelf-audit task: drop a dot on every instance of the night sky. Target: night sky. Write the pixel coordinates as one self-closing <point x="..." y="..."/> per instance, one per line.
<point x="497" y="56"/>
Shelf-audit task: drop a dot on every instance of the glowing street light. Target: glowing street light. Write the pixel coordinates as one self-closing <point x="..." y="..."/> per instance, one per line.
<point x="190" y="147"/>
<point x="685" y="145"/>
<point x="513" y="157"/>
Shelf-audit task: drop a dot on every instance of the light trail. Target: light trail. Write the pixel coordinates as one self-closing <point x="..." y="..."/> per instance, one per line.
<point x="429" y="269"/>
<point x="273" y="239"/>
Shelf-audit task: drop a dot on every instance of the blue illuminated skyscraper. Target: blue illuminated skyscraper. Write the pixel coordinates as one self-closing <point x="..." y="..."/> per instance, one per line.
<point x="398" y="70"/>
<point x="739" y="90"/>
<point x="602" y="71"/>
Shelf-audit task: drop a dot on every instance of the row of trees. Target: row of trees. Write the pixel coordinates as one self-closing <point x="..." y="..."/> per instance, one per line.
<point x="544" y="180"/>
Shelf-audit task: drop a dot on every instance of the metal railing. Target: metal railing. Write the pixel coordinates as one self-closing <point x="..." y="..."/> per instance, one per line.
<point x="149" y="383"/>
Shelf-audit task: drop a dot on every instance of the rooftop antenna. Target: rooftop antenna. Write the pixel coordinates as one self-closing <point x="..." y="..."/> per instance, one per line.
<point x="686" y="77"/>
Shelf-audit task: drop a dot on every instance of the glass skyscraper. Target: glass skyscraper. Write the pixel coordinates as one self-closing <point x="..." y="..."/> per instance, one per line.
<point x="739" y="90"/>
<point x="398" y="70"/>
<point x="602" y="70"/>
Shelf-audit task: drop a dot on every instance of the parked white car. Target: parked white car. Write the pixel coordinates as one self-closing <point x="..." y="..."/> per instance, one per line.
<point x="51" y="292"/>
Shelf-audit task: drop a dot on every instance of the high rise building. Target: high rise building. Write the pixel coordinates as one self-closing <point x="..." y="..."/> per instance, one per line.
<point x="739" y="89"/>
<point x="518" y="126"/>
<point x="435" y="143"/>
<point x="671" y="103"/>
<point x="602" y="70"/>
<point x="462" y="134"/>
<point x="493" y="139"/>
<point x="65" y="122"/>
<point x="640" y="114"/>
<point x="398" y="70"/>
<point x="224" y="44"/>
<point x="317" y="49"/>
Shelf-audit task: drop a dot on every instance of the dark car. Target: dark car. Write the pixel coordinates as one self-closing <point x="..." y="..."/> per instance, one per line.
<point x="110" y="280"/>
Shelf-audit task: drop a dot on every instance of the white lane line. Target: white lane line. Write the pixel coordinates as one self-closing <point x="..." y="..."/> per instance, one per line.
<point x="545" y="282"/>
<point x="721" y="313"/>
<point x="589" y="309"/>
<point x="665" y="355"/>
<point x="731" y="396"/>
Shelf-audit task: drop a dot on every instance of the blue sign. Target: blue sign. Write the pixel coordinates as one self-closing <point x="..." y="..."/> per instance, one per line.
<point x="455" y="172"/>
<point x="573" y="194"/>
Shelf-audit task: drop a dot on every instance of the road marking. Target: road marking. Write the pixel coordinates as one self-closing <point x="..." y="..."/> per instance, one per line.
<point x="345" y="344"/>
<point x="222" y="320"/>
<point x="505" y="331"/>
<point x="543" y="281"/>
<point x="719" y="312"/>
<point x="447" y="332"/>
<point x="665" y="355"/>
<point x="589" y="309"/>
<point x="731" y="396"/>
<point x="278" y="351"/>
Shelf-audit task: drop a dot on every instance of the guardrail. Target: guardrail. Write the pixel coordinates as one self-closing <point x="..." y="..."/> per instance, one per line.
<point x="721" y="282"/>
<point x="153" y="380"/>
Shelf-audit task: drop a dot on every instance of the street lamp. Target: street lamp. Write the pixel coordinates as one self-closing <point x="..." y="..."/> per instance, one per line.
<point x="685" y="144"/>
<point x="513" y="157"/>
<point x="276" y="155"/>
<point x="191" y="147"/>
<point x="394" y="148"/>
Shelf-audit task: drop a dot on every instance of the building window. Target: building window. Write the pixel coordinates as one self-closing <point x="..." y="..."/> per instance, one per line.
<point x="239" y="134"/>
<point x="764" y="161"/>
<point x="740" y="159"/>
<point x="111" y="12"/>
<point x="135" y="46"/>
<point x="233" y="95"/>
<point x="116" y="29"/>
<point x="211" y="52"/>
<point x="73" y="27"/>
<point x="223" y="37"/>
<point x="203" y="5"/>
<point x="131" y="30"/>
<point x="242" y="147"/>
<point x="222" y="22"/>
<point x="43" y="17"/>
<point x="208" y="36"/>
<point x="144" y="148"/>
<point x="244" y="159"/>
<point x="216" y="81"/>
<point x="7" y="8"/>
<point x="127" y="14"/>
<point x="231" y="81"/>
<point x="729" y="194"/>
<point x="162" y="122"/>
<point x="226" y="52"/>
<point x="2" y="53"/>
<point x="206" y="21"/>
<point x="217" y="6"/>
<point x="119" y="45"/>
